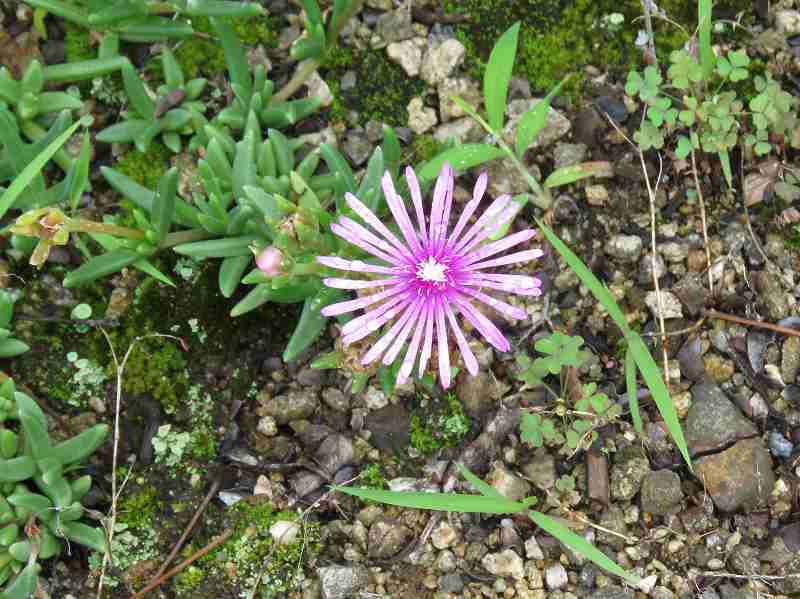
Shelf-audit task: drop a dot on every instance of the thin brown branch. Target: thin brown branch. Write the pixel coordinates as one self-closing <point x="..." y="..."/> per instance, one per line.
<point x="189" y="528"/>
<point x="215" y="542"/>
<point x="703" y="221"/>
<point x="752" y="323"/>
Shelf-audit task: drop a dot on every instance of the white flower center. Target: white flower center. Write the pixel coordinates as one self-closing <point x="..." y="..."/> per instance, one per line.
<point x="432" y="271"/>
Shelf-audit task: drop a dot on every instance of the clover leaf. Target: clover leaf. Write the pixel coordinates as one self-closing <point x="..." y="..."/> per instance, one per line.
<point x="647" y="87"/>
<point x="684" y="69"/>
<point x="649" y="136"/>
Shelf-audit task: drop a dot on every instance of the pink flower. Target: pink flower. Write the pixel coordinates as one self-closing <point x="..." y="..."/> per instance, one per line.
<point x="429" y="275"/>
<point x="269" y="261"/>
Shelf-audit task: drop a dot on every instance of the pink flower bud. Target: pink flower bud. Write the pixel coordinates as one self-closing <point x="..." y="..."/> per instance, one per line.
<point x="269" y="261"/>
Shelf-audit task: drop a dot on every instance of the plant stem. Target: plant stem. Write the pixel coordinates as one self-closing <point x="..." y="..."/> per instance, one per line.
<point x="309" y="67"/>
<point x="179" y="237"/>
<point x="88" y="226"/>
<point x="703" y="221"/>
<point x="34" y="133"/>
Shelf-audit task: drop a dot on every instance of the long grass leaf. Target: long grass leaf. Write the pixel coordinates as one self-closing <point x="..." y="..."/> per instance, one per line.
<point x="652" y="377"/>
<point x="630" y="381"/>
<point x="34" y="168"/>
<point x="445" y="502"/>
<point x="704" y="34"/>
<point x="580" y="546"/>
<point x="498" y="75"/>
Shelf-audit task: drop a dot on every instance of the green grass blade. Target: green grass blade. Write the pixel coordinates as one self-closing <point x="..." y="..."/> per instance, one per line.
<point x="498" y="75"/>
<point x="630" y="380"/>
<point x="652" y="377"/>
<point x="482" y="487"/>
<point x="644" y="361"/>
<point x="580" y="546"/>
<point x="444" y="502"/>
<point x="34" y="168"/>
<point x="704" y="33"/>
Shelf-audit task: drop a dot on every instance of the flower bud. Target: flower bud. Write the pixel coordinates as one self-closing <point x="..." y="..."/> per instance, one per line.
<point x="269" y="261"/>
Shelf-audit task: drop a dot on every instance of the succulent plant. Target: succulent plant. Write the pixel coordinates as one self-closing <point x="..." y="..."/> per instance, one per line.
<point x="145" y="20"/>
<point x="174" y="111"/>
<point x="9" y="346"/>
<point x="40" y="507"/>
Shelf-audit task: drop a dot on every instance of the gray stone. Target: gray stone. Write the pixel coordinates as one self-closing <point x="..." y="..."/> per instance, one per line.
<point x="556" y="577"/>
<point x="557" y="125"/>
<point x="420" y="117"/>
<point x="394" y="26"/>
<point x="334" y="452"/>
<point x="357" y="147"/>
<point x="451" y="583"/>
<point x="444" y="535"/>
<point x="312" y="376"/>
<point x="507" y="483"/>
<point x="390" y="428"/>
<point x="342" y="582"/>
<point x="335" y="400"/>
<point x="407" y="54"/>
<point x="440" y="61"/>
<point x="739" y="478"/>
<point x="790" y="360"/>
<point x="670" y="304"/>
<point x="613" y="592"/>
<point x="460" y="130"/>
<point x="296" y="405"/>
<point x="317" y="88"/>
<point x="777" y="301"/>
<point x="625" y="247"/>
<point x="541" y="470"/>
<point x="462" y="87"/>
<point x="787" y="22"/>
<point x="506" y="563"/>
<point x="475" y="393"/>
<point x="613" y="519"/>
<point x="713" y="421"/>
<point x="387" y="538"/>
<point x="567" y="154"/>
<point x="348" y="80"/>
<point x="661" y="492"/>
<point x="645" y="275"/>
<point x="627" y="475"/>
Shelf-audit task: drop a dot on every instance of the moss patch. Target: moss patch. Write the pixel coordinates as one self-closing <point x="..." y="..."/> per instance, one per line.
<point x="145" y="168"/>
<point x="438" y="425"/>
<point x="77" y="43"/>
<point x="382" y="90"/>
<point x="235" y="566"/>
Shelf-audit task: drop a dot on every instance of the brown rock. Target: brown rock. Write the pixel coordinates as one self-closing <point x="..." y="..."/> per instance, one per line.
<point x="738" y="478"/>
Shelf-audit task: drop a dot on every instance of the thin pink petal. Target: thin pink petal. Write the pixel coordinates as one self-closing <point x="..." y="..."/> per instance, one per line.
<point x="357" y="266"/>
<point x="466" y="351"/>
<point x="400" y="213"/>
<point x="515" y="258"/>
<point x="380" y="346"/>
<point x="442" y="345"/>
<point x="494" y="209"/>
<point x="490" y="249"/>
<point x="373" y="221"/>
<point x="369" y="236"/>
<point x="337" y="283"/>
<point x="354" y="239"/>
<point x="411" y="354"/>
<point x="486" y="327"/>
<point x="394" y="350"/>
<point x="469" y="209"/>
<point x="505" y="217"/>
<point x="416" y="198"/>
<point x="499" y="305"/>
<point x="427" y="345"/>
<point x="365" y="319"/>
<point x="376" y="323"/>
<point x="361" y="302"/>
<point x="531" y="292"/>
<point x="443" y="181"/>
<point x="448" y="205"/>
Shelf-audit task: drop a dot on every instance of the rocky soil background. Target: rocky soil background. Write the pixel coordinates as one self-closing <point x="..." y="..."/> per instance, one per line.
<point x="222" y="417"/>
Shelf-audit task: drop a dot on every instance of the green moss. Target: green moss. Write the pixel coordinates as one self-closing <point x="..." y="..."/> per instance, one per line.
<point x="250" y="552"/>
<point x="382" y="91"/>
<point x="188" y="580"/>
<point x="199" y="57"/>
<point x="424" y="147"/>
<point x="145" y="168"/>
<point x="438" y="426"/>
<point x="138" y="511"/>
<point x="77" y="43"/>
<point x="157" y="367"/>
